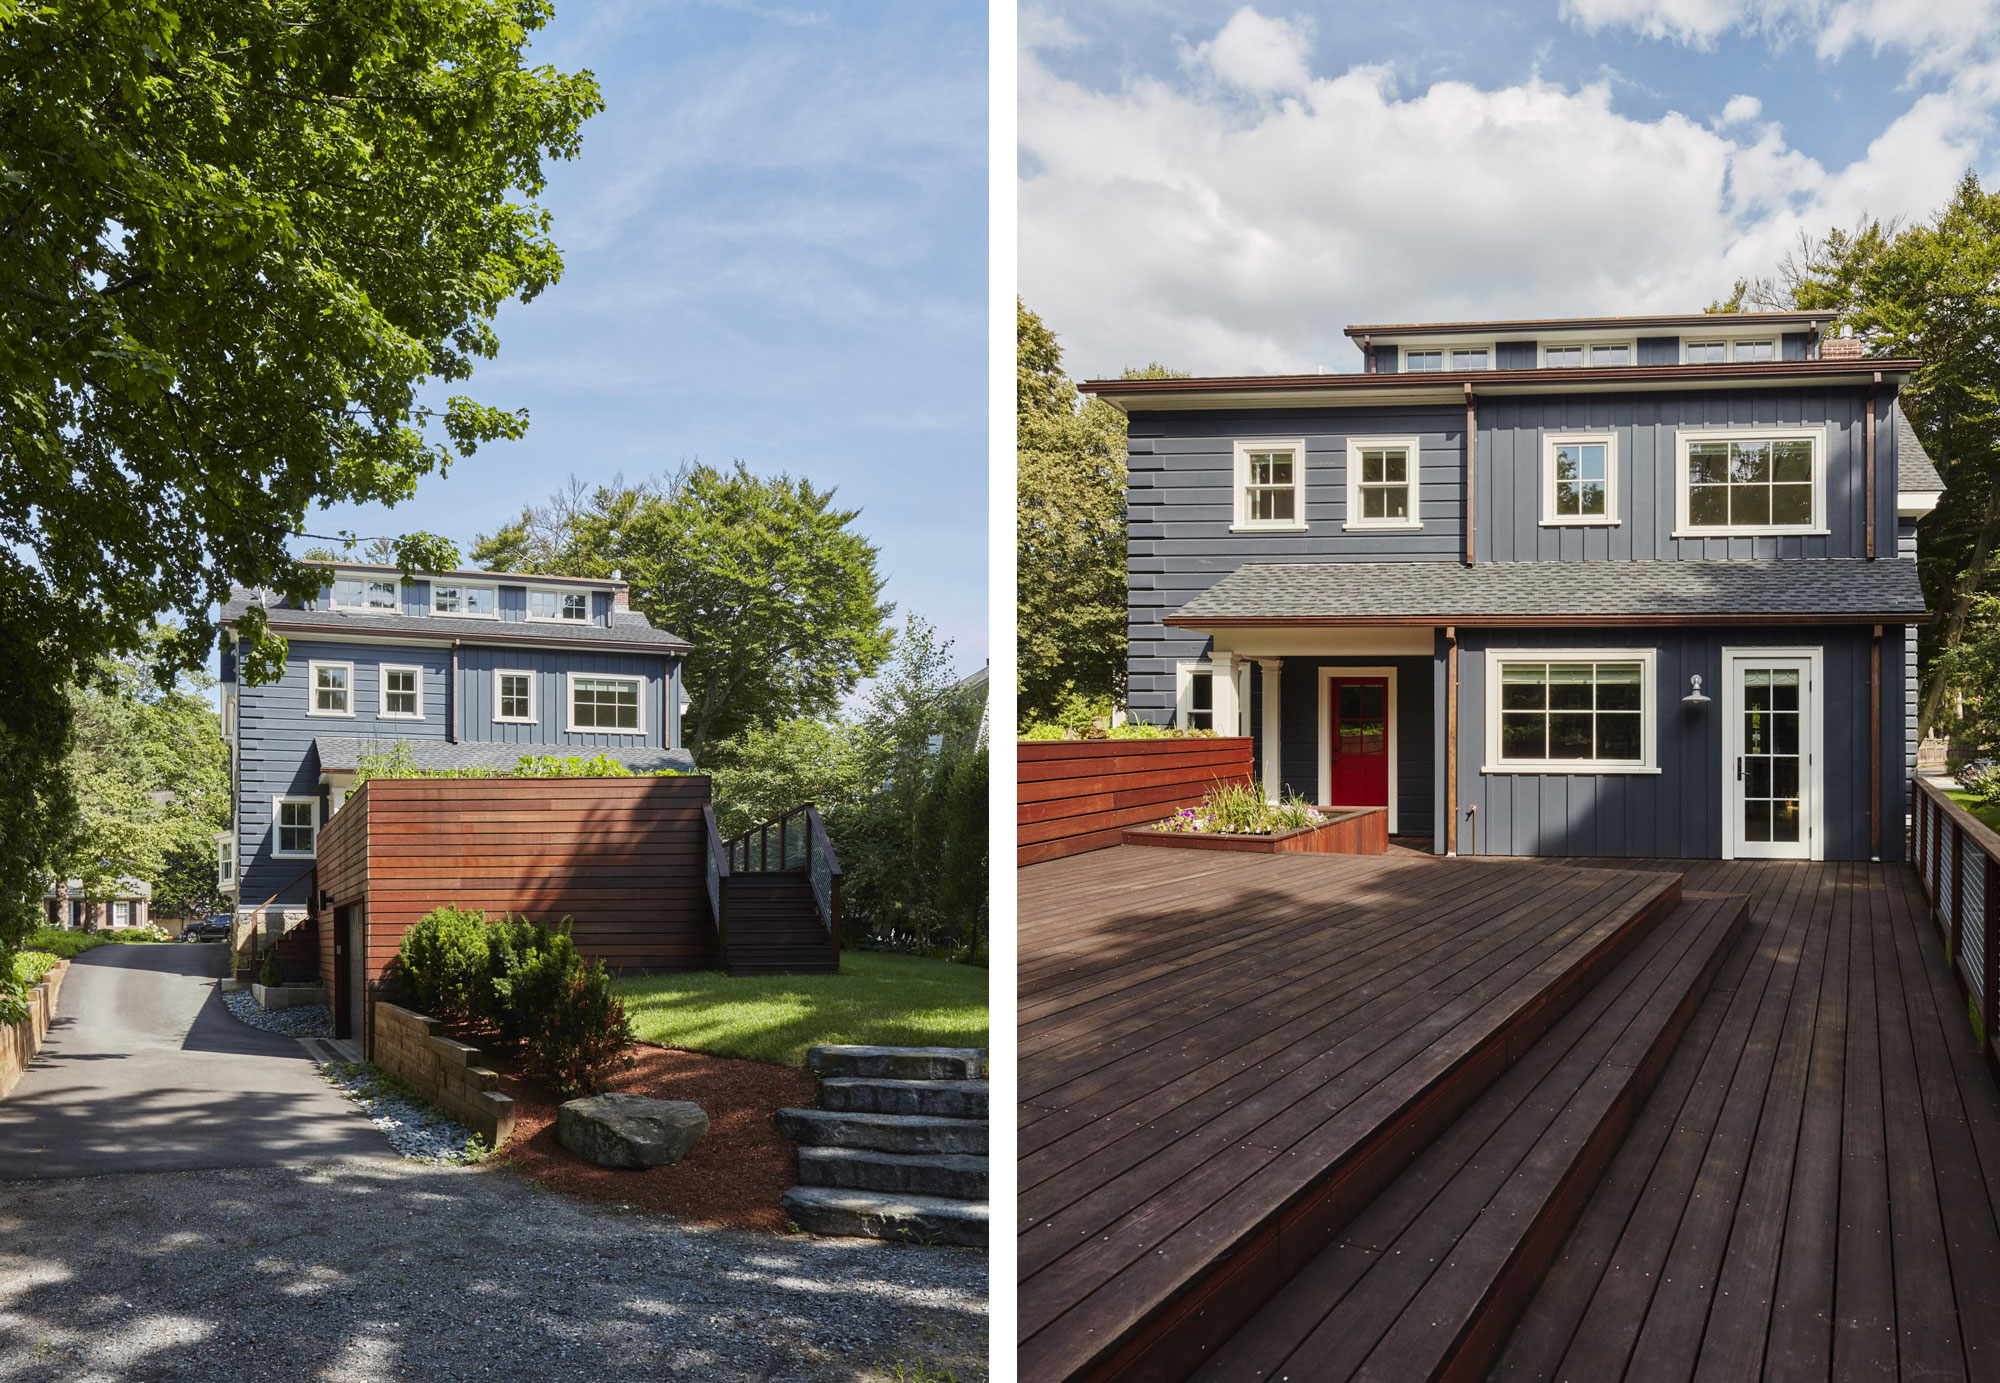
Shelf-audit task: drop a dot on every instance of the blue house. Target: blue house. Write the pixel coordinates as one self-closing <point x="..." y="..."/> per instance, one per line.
<point x="465" y="668"/>
<point x="1610" y="586"/>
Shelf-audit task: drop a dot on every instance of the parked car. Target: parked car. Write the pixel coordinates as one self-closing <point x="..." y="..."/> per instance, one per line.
<point x="214" y="927"/>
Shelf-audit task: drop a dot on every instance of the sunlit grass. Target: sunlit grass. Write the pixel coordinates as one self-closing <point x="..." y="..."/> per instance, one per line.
<point x="898" y="1001"/>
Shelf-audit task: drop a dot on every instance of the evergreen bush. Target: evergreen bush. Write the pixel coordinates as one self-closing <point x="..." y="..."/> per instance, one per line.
<point x="444" y="963"/>
<point x="273" y="972"/>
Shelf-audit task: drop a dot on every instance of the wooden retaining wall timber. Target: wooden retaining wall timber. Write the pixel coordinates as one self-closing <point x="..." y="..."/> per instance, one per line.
<point x="1078" y="795"/>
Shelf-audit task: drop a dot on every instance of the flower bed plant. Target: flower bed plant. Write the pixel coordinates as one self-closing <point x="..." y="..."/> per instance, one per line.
<point x="1237" y="809"/>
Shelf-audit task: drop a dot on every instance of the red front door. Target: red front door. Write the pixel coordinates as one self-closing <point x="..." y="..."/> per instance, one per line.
<point x="1360" y="742"/>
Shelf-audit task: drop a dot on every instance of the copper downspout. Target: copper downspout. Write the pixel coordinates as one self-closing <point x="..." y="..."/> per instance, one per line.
<point x="1451" y="740"/>
<point x="1868" y="448"/>
<point x="451" y="699"/>
<point x="1471" y="460"/>
<point x="1875" y="746"/>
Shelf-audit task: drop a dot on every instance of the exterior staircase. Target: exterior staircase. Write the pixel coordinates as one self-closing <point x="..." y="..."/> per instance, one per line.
<point x="774" y="893"/>
<point x="896" y="1149"/>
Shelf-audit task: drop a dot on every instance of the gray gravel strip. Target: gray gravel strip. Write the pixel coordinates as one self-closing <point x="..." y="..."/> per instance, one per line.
<point x="359" y="1271"/>
<point x="300" y="1020"/>
<point x="417" y="1130"/>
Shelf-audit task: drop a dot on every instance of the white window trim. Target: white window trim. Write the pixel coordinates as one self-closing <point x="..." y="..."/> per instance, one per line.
<point x="569" y="702"/>
<point x="1649" y="711"/>
<point x="1445" y="348"/>
<point x="1732" y="731"/>
<point x="1326" y="679"/>
<point x="312" y="690"/>
<point x="1687" y="436"/>
<point x="1776" y="343"/>
<point x="277" y="806"/>
<point x="1357" y="445"/>
<point x="559" y="594"/>
<point x="493" y="591"/>
<point x="533" y="716"/>
<point x="1550" y="518"/>
<point x="382" y="710"/>
<point x="225" y="859"/>
<point x="1242" y="522"/>
<point x="1630" y="343"/>
<point x="1184" y="691"/>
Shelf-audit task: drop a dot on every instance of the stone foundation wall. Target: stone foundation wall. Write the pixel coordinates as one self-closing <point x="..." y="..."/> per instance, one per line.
<point x="447" y="1073"/>
<point x="20" y="1042"/>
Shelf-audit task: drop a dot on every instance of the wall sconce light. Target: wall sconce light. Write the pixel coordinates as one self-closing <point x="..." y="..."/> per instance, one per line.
<point x="1694" y="696"/>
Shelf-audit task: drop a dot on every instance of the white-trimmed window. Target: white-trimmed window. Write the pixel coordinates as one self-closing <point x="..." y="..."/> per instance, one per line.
<point x="1576" y="354"/>
<point x="606" y="705"/>
<point x="1194" y="696"/>
<point x="401" y="693"/>
<point x="1571" y="711"/>
<point x="1271" y="485"/>
<point x="1382" y="482"/>
<point x="294" y="826"/>
<point x="225" y="860"/>
<point x="514" y="696"/>
<point x="366" y="593"/>
<point x="1751" y="481"/>
<point x="558" y="605"/>
<point x="1579" y="478"/>
<point x="121" y="913"/>
<point x="329" y="689"/>
<point x="1722" y="351"/>
<point x="455" y="598"/>
<point x="1422" y="362"/>
<point x="1471" y="357"/>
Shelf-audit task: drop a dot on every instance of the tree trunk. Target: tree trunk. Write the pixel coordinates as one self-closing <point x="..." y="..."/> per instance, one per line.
<point x="1969" y="582"/>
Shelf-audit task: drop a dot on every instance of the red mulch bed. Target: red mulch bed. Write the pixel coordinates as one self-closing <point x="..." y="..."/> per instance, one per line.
<point x="734" y="1176"/>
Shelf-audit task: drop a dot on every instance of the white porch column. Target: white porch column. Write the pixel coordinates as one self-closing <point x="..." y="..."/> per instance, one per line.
<point x="1273" y="773"/>
<point x="1222" y="693"/>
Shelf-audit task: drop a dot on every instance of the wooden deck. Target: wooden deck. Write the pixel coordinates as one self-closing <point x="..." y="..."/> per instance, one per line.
<point x="1808" y="1190"/>
<point x="1811" y="1190"/>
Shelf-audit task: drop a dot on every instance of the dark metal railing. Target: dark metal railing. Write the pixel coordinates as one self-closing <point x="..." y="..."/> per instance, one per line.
<point x="795" y="843"/>
<point x="1957" y="859"/>
<point x="718" y="879"/>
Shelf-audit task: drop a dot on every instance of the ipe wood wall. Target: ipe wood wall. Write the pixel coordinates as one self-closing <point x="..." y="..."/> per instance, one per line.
<point x="1078" y="795"/>
<point x="623" y="858"/>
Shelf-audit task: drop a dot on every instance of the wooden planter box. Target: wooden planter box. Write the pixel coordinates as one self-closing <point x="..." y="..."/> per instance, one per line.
<point x="1351" y="831"/>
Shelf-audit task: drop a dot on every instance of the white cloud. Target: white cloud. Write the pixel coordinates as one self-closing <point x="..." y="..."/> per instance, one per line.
<point x="1169" y="221"/>
<point x="1256" y="54"/>
<point x="1939" y="35"/>
<point x="1740" y="110"/>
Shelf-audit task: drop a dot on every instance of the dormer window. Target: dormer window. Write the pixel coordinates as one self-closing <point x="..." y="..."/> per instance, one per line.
<point x="1430" y="359"/>
<point x="559" y="605"/>
<point x="1592" y="353"/>
<point x="1723" y="352"/>
<point x="477" y="602"/>
<point x="364" y="593"/>
<point x="1620" y="354"/>
<point x="1420" y="361"/>
<point x="1471" y="358"/>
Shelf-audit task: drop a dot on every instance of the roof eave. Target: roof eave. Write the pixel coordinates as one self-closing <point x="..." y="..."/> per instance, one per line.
<point x="1499" y="621"/>
<point x="483" y="635"/>
<point x="1607" y="325"/>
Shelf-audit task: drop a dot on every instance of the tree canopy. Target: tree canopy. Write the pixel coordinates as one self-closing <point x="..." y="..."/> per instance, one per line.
<point x="763" y="575"/>
<point x="241" y="241"/>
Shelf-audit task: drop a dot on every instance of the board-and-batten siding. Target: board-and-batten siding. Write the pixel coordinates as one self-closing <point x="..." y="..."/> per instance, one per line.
<point x="1299" y="733"/>
<point x="552" y="671"/>
<point x="1651" y="350"/>
<point x="1677" y="812"/>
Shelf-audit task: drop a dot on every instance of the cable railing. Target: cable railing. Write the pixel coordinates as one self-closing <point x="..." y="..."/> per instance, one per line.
<point x="1957" y="859"/>
<point x="795" y="843"/>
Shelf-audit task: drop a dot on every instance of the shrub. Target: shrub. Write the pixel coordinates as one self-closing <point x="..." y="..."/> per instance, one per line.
<point x="273" y="972"/>
<point x="62" y="943"/>
<point x="526" y="966"/>
<point x="443" y="961"/>
<point x="32" y="966"/>
<point x="581" y="1034"/>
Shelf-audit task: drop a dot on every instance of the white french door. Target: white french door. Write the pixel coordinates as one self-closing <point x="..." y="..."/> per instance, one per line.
<point x="1772" y="752"/>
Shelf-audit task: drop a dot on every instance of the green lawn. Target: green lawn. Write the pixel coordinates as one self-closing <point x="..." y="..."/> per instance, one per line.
<point x="1988" y="817"/>
<point x="899" y="1001"/>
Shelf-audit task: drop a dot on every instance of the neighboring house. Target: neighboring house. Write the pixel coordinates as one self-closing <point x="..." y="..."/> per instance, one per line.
<point x="467" y="668"/>
<point x="1608" y="586"/>
<point x="127" y="906"/>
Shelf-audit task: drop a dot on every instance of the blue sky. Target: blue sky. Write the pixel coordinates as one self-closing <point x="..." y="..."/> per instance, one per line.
<point x="1222" y="187"/>
<point x="775" y="250"/>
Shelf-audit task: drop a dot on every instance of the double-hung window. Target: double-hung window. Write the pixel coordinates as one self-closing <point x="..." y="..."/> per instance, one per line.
<point x="1570" y="711"/>
<point x="514" y="696"/>
<point x="1382" y="482"/>
<point x="225" y="860"/>
<point x="1196" y="697"/>
<point x="1751" y="481"/>
<point x="1271" y="485"/>
<point x="296" y="821"/>
<point x="454" y="599"/>
<point x="121" y="913"/>
<point x="559" y="605"/>
<point x="330" y="689"/>
<point x="1579" y="478"/>
<point x="402" y="693"/>
<point x="607" y="705"/>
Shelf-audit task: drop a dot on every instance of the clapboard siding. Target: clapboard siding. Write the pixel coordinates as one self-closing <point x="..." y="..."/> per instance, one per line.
<point x="623" y="859"/>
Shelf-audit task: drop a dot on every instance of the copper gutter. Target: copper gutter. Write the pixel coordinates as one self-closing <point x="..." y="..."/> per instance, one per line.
<point x="1828" y="370"/>
<point x="1596" y="620"/>
<point x="451" y="699"/>
<point x="1875" y="746"/>
<point x="1451" y="740"/>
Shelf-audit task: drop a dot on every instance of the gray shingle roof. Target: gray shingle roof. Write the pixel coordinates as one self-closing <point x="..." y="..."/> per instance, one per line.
<point x="1914" y="471"/>
<point x="627" y="626"/>
<point x="342" y="754"/>
<point x="1558" y="590"/>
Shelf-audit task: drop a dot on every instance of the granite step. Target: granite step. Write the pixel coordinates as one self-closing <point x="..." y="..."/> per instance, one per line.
<point x="954" y="1175"/>
<point x="896" y="1133"/>
<point x="938" y="1099"/>
<point x="898" y="1218"/>
<point x="897" y="1063"/>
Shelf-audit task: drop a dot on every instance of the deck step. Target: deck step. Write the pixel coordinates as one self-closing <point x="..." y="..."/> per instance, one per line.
<point x="955" y="1175"/>
<point x="938" y="1099"/>
<point x="896" y="1063"/>
<point x="872" y="1215"/>
<point x="1428" y="1281"/>
<point x="895" y="1133"/>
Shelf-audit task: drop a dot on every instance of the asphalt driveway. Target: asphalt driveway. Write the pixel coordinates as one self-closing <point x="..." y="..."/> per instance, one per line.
<point x="144" y="1070"/>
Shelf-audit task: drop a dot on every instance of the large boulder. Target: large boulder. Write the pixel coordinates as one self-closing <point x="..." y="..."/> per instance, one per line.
<point x="618" y="1130"/>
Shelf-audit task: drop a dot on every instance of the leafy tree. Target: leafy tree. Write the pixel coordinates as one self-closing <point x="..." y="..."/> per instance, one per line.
<point x="1070" y="536"/>
<point x="238" y="240"/>
<point x="761" y="574"/>
<point x="768" y="770"/>
<point x="185" y="885"/>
